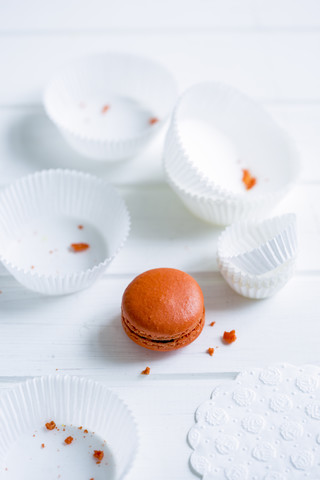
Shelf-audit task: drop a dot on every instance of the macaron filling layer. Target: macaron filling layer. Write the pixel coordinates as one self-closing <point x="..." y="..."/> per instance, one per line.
<point x="134" y="332"/>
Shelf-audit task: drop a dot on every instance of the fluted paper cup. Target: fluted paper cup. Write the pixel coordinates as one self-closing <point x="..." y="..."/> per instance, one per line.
<point x="59" y="230"/>
<point x="263" y="246"/>
<point x="109" y="105"/>
<point x="209" y="147"/>
<point x="258" y="259"/>
<point x="87" y="418"/>
<point x="213" y="208"/>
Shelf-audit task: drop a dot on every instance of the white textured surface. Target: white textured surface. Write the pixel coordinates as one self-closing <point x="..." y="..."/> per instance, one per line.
<point x="268" y="49"/>
<point x="264" y="425"/>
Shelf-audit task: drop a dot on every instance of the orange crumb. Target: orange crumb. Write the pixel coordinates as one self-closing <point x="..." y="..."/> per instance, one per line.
<point x="32" y="267"/>
<point x="211" y="351"/>
<point x="42" y="445"/>
<point x="79" y="247"/>
<point x="80" y="227"/>
<point x="68" y="440"/>
<point x="248" y="180"/>
<point x="79" y="428"/>
<point x="230" y="337"/>
<point x="105" y="108"/>
<point x="211" y="324"/>
<point x="33" y="435"/>
<point x="98" y="454"/>
<point x="50" y="425"/>
<point x="146" y="371"/>
<point x="153" y="120"/>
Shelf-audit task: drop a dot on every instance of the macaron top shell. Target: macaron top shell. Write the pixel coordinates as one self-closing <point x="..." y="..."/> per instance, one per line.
<point x="162" y="304"/>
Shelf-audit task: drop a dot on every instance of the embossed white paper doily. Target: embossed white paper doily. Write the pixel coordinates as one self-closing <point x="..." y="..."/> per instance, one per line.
<point x="263" y="426"/>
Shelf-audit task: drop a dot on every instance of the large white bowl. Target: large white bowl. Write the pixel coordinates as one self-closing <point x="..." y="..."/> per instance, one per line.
<point x="42" y="214"/>
<point x="104" y="104"/>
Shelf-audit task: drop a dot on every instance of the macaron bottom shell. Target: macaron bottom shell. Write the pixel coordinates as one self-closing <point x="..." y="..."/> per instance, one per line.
<point x="164" y="345"/>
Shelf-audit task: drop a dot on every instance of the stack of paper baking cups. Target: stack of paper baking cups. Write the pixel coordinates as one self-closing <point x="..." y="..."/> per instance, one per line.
<point x="216" y="134"/>
<point x="257" y="259"/>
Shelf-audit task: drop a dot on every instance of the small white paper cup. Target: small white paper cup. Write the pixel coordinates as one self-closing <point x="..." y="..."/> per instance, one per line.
<point x="263" y="246"/>
<point x="258" y="259"/>
<point x="109" y="105"/>
<point x="208" y="146"/>
<point x="43" y="214"/>
<point x="29" y="450"/>
<point x="215" y="209"/>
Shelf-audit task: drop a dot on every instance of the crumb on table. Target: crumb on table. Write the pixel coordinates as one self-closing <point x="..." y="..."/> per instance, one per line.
<point x="79" y="247"/>
<point x="98" y="455"/>
<point x="50" y="425"/>
<point x="68" y="440"/>
<point x="211" y="351"/>
<point x="230" y="337"/>
<point x="42" y="445"/>
<point x="153" y="120"/>
<point x="146" y="371"/>
<point x="105" y="108"/>
<point x="211" y="324"/>
<point x="248" y="180"/>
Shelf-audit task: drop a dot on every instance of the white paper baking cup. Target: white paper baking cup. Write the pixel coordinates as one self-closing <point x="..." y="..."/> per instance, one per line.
<point x="71" y="402"/>
<point x="215" y="209"/>
<point x="134" y="89"/>
<point x="215" y="133"/>
<point x="258" y="259"/>
<point x="263" y="246"/>
<point x="41" y="215"/>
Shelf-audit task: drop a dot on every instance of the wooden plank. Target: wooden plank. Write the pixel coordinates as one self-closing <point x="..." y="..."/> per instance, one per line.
<point x="82" y="333"/>
<point x="165" y="233"/>
<point x="281" y="66"/>
<point x="78" y="15"/>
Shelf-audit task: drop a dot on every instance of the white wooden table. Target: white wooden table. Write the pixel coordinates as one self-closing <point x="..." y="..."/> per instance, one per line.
<point x="270" y="49"/>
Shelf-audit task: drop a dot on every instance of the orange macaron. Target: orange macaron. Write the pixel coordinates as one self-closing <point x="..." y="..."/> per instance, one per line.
<point x="163" y="309"/>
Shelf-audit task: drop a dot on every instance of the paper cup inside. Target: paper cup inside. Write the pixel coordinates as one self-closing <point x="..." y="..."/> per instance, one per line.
<point x="109" y="105"/>
<point x="261" y="247"/>
<point x="224" y="134"/>
<point x="88" y="418"/>
<point x="253" y="276"/>
<point x="59" y="230"/>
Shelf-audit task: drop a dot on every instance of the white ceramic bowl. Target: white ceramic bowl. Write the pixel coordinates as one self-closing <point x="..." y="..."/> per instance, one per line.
<point x="29" y="450"/>
<point x="215" y="134"/>
<point x="109" y="105"/>
<point x="43" y="214"/>
<point x="258" y="259"/>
